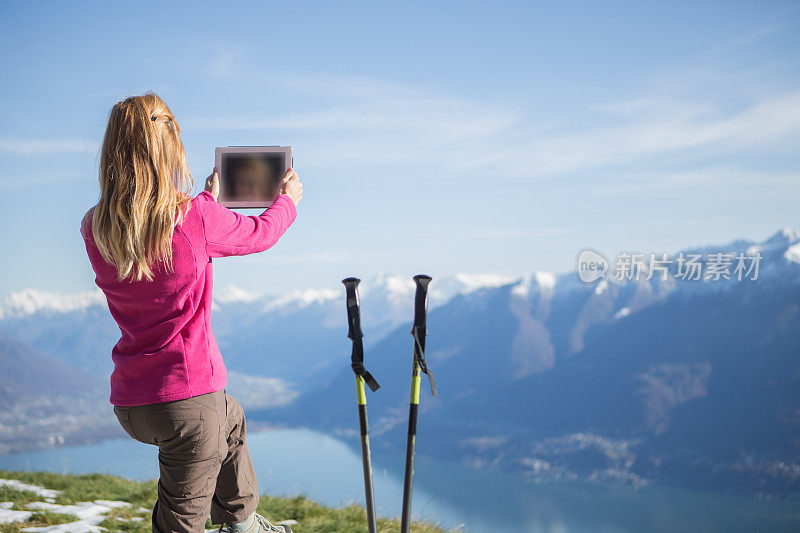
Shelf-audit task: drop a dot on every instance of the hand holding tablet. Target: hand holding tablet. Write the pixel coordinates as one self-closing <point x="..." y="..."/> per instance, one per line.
<point x="252" y="176"/>
<point x="212" y="184"/>
<point x="290" y="185"/>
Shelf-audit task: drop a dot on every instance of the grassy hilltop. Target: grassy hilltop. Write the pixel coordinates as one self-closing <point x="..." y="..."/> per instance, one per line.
<point x="312" y="517"/>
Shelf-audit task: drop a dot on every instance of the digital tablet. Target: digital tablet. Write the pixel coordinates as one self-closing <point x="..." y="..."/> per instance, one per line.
<point x="249" y="175"/>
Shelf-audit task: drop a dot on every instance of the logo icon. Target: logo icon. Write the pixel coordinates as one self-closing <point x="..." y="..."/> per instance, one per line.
<point x="591" y="266"/>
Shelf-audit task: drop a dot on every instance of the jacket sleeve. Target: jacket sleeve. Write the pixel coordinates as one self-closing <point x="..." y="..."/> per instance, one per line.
<point x="229" y="233"/>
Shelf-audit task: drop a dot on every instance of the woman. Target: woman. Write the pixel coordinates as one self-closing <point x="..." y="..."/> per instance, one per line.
<point x="151" y="247"/>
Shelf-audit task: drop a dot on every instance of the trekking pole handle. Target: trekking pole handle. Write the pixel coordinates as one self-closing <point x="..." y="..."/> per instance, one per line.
<point x="421" y="306"/>
<point x="353" y="313"/>
<point x="420" y="329"/>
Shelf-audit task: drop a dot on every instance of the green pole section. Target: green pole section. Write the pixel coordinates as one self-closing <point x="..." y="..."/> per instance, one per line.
<point x="419" y="331"/>
<point x="362" y="376"/>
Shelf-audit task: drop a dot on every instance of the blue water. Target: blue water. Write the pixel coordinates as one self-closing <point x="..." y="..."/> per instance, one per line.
<point x="291" y="462"/>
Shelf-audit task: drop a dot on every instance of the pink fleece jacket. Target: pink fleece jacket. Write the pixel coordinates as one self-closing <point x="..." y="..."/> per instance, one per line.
<point x="167" y="350"/>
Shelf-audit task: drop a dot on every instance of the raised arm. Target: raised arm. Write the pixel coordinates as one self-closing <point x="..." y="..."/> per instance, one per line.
<point x="229" y="233"/>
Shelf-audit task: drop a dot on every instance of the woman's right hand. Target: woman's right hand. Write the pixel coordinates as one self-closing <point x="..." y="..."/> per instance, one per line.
<point x="291" y="186"/>
<point x="212" y="184"/>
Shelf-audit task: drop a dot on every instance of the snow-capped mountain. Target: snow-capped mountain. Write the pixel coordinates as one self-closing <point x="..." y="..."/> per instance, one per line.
<point x="261" y="335"/>
<point x="269" y="351"/>
<point x="685" y="381"/>
<point x="682" y="382"/>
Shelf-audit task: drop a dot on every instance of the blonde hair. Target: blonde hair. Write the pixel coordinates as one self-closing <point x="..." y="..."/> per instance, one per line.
<point x="145" y="187"/>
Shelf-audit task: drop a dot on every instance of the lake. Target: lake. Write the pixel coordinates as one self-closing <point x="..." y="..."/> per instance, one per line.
<point x="296" y="461"/>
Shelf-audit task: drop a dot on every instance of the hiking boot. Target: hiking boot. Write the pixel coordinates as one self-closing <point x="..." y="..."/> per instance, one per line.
<point x="259" y="525"/>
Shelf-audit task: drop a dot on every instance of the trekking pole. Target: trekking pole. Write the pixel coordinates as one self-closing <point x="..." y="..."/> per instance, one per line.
<point x="419" y="330"/>
<point x="355" y="334"/>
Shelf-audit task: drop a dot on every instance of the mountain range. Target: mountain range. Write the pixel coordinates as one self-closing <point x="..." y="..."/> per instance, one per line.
<point x="679" y="382"/>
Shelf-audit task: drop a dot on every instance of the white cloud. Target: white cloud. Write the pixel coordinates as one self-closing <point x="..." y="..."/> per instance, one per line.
<point x="754" y="36"/>
<point x="681" y="182"/>
<point x="377" y="122"/>
<point x="26" y="147"/>
<point x="658" y="132"/>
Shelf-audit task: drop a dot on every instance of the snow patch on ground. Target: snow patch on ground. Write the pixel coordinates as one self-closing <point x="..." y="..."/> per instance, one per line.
<point x="89" y="514"/>
<point x="19" y="485"/>
<point x="8" y="515"/>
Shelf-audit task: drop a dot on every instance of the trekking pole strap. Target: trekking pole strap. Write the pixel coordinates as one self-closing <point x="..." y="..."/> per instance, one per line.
<point x="419" y="357"/>
<point x="358" y="368"/>
<point x="355" y="334"/>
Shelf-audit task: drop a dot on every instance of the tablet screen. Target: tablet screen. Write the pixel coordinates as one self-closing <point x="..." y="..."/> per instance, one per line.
<point x="252" y="177"/>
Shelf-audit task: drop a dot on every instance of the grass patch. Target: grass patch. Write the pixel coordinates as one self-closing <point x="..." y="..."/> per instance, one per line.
<point x="316" y="518"/>
<point x="49" y="518"/>
<point x="37" y="519"/>
<point x="313" y="517"/>
<point x="18" y="497"/>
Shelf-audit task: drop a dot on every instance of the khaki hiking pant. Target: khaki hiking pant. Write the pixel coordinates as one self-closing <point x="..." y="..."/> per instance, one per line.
<point x="203" y="459"/>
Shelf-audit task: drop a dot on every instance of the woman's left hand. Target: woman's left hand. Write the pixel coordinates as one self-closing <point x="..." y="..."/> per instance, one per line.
<point x="212" y="184"/>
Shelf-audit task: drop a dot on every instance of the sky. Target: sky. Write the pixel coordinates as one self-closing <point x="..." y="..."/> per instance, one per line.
<point x="435" y="137"/>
